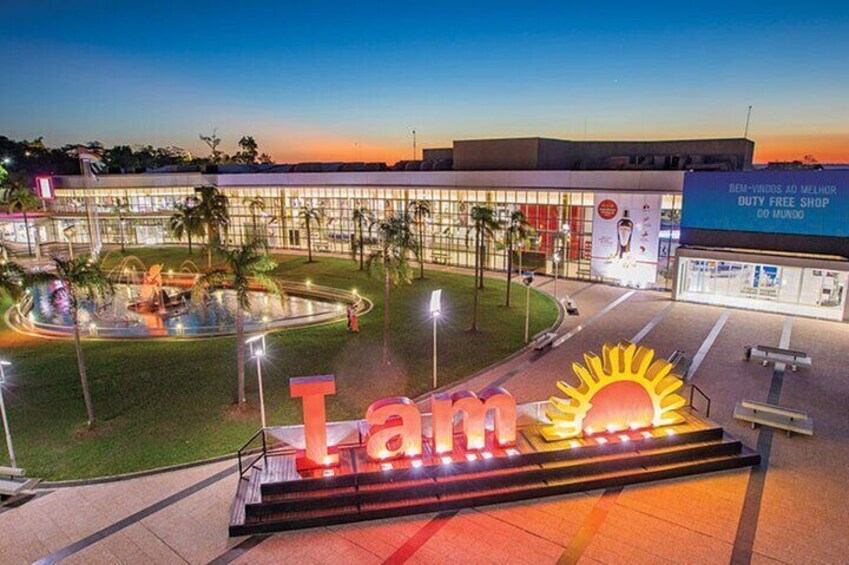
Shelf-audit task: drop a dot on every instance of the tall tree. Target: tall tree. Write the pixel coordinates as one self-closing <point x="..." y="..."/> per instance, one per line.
<point x="213" y="141"/>
<point x="248" y="151"/>
<point x="485" y="223"/>
<point x="18" y="198"/>
<point x="79" y="279"/>
<point x="516" y="231"/>
<point x="308" y="215"/>
<point x="213" y="212"/>
<point x="420" y="210"/>
<point x="362" y="216"/>
<point x="121" y="207"/>
<point x="256" y="205"/>
<point x="245" y="267"/>
<point x="186" y="222"/>
<point x="12" y="279"/>
<point x="397" y="241"/>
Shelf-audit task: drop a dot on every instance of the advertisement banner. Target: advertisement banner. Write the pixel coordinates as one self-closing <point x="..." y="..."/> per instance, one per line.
<point x="781" y="202"/>
<point x="625" y="237"/>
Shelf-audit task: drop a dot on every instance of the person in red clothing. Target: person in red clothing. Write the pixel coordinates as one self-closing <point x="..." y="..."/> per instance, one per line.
<point x="352" y="318"/>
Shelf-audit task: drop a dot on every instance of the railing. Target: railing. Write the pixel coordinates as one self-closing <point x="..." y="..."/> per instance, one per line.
<point x="246" y="452"/>
<point x="706" y="399"/>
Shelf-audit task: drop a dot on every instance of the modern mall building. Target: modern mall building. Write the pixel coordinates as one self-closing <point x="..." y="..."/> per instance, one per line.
<point x="600" y="211"/>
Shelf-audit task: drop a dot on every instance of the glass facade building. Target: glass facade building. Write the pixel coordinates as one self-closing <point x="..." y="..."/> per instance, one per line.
<point x="564" y="210"/>
<point x="271" y="212"/>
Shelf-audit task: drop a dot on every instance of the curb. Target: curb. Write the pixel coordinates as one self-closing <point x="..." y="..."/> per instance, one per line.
<point x="46" y="485"/>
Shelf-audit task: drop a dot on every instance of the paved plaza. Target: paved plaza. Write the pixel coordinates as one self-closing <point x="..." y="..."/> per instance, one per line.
<point x="794" y="508"/>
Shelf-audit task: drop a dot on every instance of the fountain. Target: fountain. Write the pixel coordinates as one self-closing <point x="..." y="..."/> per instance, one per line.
<point x="151" y="302"/>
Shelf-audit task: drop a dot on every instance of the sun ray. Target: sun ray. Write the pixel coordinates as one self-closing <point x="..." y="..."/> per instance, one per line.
<point x="614" y="374"/>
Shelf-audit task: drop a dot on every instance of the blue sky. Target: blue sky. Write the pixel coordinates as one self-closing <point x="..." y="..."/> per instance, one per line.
<point x="350" y="80"/>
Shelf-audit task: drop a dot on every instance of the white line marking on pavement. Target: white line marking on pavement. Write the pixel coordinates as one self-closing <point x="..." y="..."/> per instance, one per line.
<point x="577" y="329"/>
<point x="707" y="344"/>
<point x="650" y="326"/>
<point x="784" y="342"/>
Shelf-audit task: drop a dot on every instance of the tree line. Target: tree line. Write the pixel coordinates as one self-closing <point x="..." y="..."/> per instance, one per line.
<point x="31" y="158"/>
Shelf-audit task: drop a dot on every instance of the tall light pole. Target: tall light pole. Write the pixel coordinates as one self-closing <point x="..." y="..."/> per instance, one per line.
<point x="69" y="234"/>
<point x="257" y="344"/>
<point x="435" y="310"/>
<point x="528" y="280"/>
<point x="556" y="260"/>
<point x="4" y="364"/>
<point x="560" y="256"/>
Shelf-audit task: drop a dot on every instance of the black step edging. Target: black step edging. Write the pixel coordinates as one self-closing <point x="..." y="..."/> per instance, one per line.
<point x="436" y="485"/>
<point x="744" y="459"/>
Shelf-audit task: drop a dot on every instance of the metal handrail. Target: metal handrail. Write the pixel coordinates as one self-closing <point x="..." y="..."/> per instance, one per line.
<point x="695" y="388"/>
<point x="244" y="452"/>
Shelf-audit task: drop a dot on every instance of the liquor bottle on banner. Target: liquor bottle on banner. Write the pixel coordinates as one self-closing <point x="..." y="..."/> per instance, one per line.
<point x="625" y="231"/>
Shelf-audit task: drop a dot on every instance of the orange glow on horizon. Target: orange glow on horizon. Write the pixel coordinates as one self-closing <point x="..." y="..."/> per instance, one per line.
<point x="826" y="148"/>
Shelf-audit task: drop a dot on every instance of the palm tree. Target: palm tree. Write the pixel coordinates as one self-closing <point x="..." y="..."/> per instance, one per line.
<point x="362" y="216"/>
<point x="80" y="279"/>
<point x="255" y="205"/>
<point x="121" y="207"/>
<point x="244" y="267"/>
<point x="12" y="279"/>
<point x="308" y="215"/>
<point x="420" y="210"/>
<point x="396" y="243"/>
<point x="19" y="198"/>
<point x="517" y="230"/>
<point x="186" y="222"/>
<point x="485" y="222"/>
<point x="212" y="209"/>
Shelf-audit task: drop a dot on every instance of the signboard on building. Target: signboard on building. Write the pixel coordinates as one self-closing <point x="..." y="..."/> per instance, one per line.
<point x="625" y="237"/>
<point x="44" y="187"/>
<point x="814" y="203"/>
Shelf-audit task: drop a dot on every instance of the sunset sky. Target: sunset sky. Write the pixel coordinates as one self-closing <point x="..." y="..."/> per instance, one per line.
<point x="350" y="80"/>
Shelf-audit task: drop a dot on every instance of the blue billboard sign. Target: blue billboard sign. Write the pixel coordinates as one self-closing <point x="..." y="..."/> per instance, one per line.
<point x="780" y="202"/>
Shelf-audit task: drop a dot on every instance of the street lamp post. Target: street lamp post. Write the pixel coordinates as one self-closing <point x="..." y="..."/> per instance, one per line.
<point x="435" y="310"/>
<point x="528" y="280"/>
<point x="257" y="344"/>
<point x="6" y="429"/>
<point x="69" y="234"/>
<point x="565" y="232"/>
<point x="556" y="260"/>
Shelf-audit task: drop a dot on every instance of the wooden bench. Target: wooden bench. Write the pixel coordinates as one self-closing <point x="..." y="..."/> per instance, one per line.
<point x="767" y="355"/>
<point x="13" y="481"/>
<point x="544" y="340"/>
<point x="774" y="416"/>
<point x="571" y="306"/>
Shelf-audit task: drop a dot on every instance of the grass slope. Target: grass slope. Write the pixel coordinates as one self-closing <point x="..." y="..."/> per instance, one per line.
<point x="167" y="402"/>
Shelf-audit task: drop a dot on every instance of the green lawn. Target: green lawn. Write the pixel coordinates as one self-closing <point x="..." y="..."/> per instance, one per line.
<point x="166" y="402"/>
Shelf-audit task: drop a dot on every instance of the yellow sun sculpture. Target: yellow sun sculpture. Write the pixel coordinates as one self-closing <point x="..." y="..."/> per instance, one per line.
<point x="622" y="390"/>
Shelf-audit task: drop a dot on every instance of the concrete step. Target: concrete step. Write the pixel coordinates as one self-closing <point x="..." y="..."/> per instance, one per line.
<point x="644" y="468"/>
